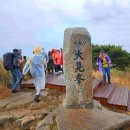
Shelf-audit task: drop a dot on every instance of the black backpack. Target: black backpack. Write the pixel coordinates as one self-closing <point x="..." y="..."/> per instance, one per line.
<point x="8" y="60"/>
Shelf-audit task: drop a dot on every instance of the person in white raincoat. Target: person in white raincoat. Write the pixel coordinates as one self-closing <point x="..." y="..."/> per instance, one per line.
<point x="36" y="66"/>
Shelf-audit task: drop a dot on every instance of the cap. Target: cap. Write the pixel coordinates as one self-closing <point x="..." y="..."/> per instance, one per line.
<point x="102" y="51"/>
<point x="17" y="51"/>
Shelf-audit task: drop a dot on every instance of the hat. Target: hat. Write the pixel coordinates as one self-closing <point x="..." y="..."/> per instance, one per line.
<point x="102" y="51"/>
<point x="53" y="50"/>
<point x="37" y="49"/>
<point x="17" y="51"/>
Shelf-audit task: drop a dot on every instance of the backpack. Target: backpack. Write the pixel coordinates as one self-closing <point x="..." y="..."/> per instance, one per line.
<point x="8" y="60"/>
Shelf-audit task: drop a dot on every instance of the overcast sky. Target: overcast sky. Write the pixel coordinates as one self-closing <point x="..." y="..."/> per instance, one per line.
<point x="26" y="23"/>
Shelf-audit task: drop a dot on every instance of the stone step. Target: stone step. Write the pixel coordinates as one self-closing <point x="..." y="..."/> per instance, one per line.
<point x="104" y="92"/>
<point x="119" y="98"/>
<point x="14" y="98"/>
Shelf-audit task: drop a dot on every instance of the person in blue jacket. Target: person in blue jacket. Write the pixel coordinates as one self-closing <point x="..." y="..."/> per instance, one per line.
<point x="16" y="72"/>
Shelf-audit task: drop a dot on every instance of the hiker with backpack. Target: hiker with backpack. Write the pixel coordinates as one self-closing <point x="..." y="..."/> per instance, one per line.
<point x="16" y="71"/>
<point x="12" y="62"/>
<point x="36" y="66"/>
<point x="104" y="63"/>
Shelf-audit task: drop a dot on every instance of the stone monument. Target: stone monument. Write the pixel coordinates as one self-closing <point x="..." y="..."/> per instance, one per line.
<point x="78" y="68"/>
<point x="78" y="77"/>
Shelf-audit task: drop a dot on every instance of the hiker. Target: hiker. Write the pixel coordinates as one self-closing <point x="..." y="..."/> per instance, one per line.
<point x="44" y="53"/>
<point x="55" y="57"/>
<point x="16" y="72"/>
<point x="36" y="66"/>
<point x="104" y="63"/>
<point x="50" y="64"/>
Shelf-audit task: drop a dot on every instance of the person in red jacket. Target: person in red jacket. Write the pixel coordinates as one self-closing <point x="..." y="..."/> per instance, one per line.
<point x="55" y="57"/>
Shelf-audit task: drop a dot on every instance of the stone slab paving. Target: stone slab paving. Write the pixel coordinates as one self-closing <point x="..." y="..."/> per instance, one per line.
<point x="5" y="117"/>
<point x="15" y="97"/>
<point x="17" y="114"/>
<point x="35" y="106"/>
<point x="21" y="112"/>
<point x="25" y="121"/>
<point x="45" y="128"/>
<point x="46" y="115"/>
<point x="22" y="103"/>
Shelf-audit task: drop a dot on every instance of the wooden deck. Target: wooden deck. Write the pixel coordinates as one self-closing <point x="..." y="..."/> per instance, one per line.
<point x="109" y="95"/>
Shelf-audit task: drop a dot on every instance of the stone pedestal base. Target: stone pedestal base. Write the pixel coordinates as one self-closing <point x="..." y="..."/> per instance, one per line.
<point x="97" y="118"/>
<point x="78" y="106"/>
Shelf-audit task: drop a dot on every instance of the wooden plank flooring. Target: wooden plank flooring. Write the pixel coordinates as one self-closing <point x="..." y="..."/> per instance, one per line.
<point x="110" y="95"/>
<point x="96" y="83"/>
<point x="119" y="97"/>
<point x="104" y="92"/>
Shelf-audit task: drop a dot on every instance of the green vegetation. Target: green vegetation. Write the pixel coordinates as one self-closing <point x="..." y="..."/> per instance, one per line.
<point x="120" y="58"/>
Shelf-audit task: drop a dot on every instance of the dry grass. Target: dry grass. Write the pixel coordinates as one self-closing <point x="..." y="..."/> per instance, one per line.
<point x="5" y="92"/>
<point x="121" y="78"/>
<point x="5" y="82"/>
<point x="5" y="76"/>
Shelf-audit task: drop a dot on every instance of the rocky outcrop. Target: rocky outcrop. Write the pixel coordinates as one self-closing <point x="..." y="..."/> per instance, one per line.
<point x="98" y="118"/>
<point x="20" y="112"/>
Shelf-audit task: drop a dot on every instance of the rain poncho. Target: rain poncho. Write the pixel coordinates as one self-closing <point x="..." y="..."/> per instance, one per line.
<point x="100" y="60"/>
<point x="44" y="53"/>
<point x="36" y="67"/>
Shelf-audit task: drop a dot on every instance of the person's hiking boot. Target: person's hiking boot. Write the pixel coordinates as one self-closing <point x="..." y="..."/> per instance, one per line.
<point x="37" y="98"/>
<point x="109" y="82"/>
<point x="15" y="91"/>
<point x="104" y="82"/>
